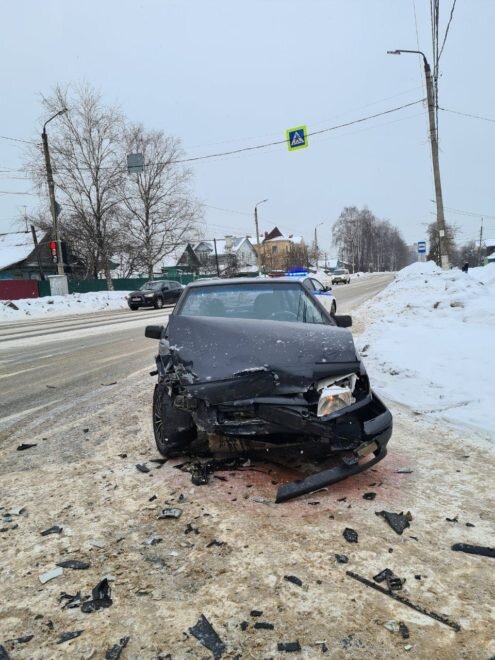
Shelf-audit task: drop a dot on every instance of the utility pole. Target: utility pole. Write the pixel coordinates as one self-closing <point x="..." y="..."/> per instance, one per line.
<point x="37" y="250"/>
<point x="258" y="251"/>
<point x="481" y="240"/>
<point x="442" y="236"/>
<point x="51" y="192"/>
<point x="216" y="256"/>
<point x="316" y="244"/>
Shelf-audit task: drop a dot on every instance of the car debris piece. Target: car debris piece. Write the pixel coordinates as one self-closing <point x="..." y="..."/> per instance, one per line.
<point x="154" y="540"/>
<point x="256" y="612"/>
<point x="392" y="626"/>
<point x="405" y="601"/>
<point x="394" y="583"/>
<point x="115" y="651"/>
<point x="26" y="445"/>
<point x="15" y="511"/>
<point x="397" y="521"/>
<point x="67" y="636"/>
<point x="263" y="625"/>
<point x="244" y="625"/>
<point x="454" y="520"/>
<point x="289" y="647"/>
<point x="468" y="524"/>
<point x="190" y="528"/>
<point x="383" y="575"/>
<point x="404" y="471"/>
<point x="51" y="574"/>
<point x="170" y="513"/>
<point x="350" y="535"/>
<point x="102" y="598"/>
<point x="204" y="632"/>
<point x="3" y="653"/>
<point x="52" y="530"/>
<point x="142" y="468"/>
<point x="474" y="549"/>
<point x="342" y="559"/>
<point x="75" y="564"/>
<point x="114" y="382"/>
<point x="73" y="601"/>
<point x="369" y="496"/>
<point x="404" y="630"/>
<point x="215" y="542"/>
<point x="294" y="579"/>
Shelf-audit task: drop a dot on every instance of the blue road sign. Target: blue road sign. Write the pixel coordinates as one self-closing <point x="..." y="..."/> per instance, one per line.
<point x="297" y="138"/>
<point x="421" y="247"/>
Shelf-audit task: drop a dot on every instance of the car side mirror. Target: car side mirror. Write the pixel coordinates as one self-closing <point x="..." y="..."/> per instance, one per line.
<point x="343" y="321"/>
<point x="328" y="288"/>
<point x="153" y="331"/>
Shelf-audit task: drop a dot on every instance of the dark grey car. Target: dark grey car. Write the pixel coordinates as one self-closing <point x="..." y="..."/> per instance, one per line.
<point x="155" y="293"/>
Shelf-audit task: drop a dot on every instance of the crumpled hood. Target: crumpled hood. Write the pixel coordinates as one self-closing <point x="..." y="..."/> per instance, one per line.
<point x="245" y="350"/>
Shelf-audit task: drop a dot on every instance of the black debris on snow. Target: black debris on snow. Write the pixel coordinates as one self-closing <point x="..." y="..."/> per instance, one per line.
<point x="67" y="636"/>
<point x="294" y="579"/>
<point x="142" y="468"/>
<point x="52" y="530"/>
<point x="102" y="598"/>
<point x="397" y="521"/>
<point x="74" y="564"/>
<point x="26" y="445"/>
<point x="289" y="647"/>
<point x="350" y="535"/>
<point x="369" y="496"/>
<point x="206" y="635"/>
<point x="262" y="625"/>
<point x="114" y="652"/>
<point x="474" y="549"/>
<point x="342" y="559"/>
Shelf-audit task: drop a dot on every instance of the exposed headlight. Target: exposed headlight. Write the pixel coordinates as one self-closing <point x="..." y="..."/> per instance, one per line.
<point x="334" y="398"/>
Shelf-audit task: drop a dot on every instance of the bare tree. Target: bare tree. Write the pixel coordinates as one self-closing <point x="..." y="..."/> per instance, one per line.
<point x="88" y="164"/>
<point x="449" y="242"/>
<point x="366" y="243"/>
<point x="160" y="209"/>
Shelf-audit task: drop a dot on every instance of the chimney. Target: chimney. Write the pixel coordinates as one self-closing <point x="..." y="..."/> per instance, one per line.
<point x="229" y="240"/>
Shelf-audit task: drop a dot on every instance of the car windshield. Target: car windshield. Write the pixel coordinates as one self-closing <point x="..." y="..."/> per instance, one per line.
<point x="275" y="302"/>
<point x="340" y="271"/>
<point x="151" y="286"/>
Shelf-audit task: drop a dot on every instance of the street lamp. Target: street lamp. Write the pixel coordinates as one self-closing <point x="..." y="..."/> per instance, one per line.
<point x="257" y="231"/>
<point x="51" y="191"/>
<point x="444" y="257"/>
<point x="316" y="242"/>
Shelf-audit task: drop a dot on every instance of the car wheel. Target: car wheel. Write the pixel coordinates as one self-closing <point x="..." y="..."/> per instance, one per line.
<point x="158" y="303"/>
<point x="174" y="429"/>
<point x="334" y="309"/>
<point x="133" y="307"/>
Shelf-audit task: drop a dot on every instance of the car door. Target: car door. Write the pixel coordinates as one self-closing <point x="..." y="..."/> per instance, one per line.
<point x="326" y="298"/>
<point x="165" y="292"/>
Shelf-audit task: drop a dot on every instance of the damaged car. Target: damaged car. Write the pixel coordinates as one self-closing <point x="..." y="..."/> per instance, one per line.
<point x="260" y="365"/>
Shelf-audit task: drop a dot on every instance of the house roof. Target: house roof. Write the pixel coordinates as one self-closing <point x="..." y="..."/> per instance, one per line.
<point x="297" y="240"/>
<point x="172" y="258"/>
<point x="236" y="244"/>
<point x="15" y="247"/>
<point x="490" y="242"/>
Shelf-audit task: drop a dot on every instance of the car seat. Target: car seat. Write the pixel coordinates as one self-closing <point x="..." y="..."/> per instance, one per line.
<point x="214" y="307"/>
<point x="265" y="305"/>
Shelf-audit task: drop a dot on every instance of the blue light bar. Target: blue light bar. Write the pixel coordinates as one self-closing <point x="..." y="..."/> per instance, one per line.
<point x="297" y="273"/>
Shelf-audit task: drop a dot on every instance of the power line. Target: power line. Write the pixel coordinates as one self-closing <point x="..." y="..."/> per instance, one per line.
<point x="11" y="192"/>
<point x="5" y="137"/>
<point x="466" y="114"/>
<point x="284" y="141"/>
<point x="447" y="30"/>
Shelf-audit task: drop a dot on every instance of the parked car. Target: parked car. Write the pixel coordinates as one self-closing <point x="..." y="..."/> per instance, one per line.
<point x="155" y="293"/>
<point x="341" y="276"/>
<point x="263" y="362"/>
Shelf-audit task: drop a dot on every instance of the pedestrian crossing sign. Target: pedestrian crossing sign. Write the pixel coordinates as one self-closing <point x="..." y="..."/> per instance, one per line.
<point x="297" y="138"/>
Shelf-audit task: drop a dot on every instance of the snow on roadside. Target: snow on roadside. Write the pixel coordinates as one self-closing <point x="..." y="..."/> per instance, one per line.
<point x="429" y="343"/>
<point x="60" y="305"/>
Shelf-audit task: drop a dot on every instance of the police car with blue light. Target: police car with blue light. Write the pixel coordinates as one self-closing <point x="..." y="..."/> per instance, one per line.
<point x="320" y="291"/>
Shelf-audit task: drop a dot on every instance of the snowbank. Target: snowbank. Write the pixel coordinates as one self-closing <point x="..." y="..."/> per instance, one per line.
<point x="430" y="343"/>
<point x="59" y="305"/>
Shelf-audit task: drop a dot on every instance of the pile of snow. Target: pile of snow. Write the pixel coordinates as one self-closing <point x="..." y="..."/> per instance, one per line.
<point x="59" y="305"/>
<point x="430" y="343"/>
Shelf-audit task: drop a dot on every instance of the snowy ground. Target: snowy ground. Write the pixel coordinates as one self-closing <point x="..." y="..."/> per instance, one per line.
<point x="429" y="343"/>
<point x="59" y="305"/>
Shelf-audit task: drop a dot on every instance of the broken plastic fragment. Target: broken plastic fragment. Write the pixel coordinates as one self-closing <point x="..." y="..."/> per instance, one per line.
<point x="142" y="468"/>
<point x="289" y="647"/>
<point x="294" y="579"/>
<point x="114" y="652"/>
<point x="369" y="496"/>
<point x="474" y="549"/>
<point x="350" y="535"/>
<point x="52" y="530"/>
<point x="170" y="513"/>
<point x="342" y="559"/>
<point x="74" y="564"/>
<point x="50" y="575"/>
<point x="102" y="598"/>
<point x="67" y="636"/>
<point x="263" y="625"/>
<point x="26" y="445"/>
<point x="397" y="521"/>
<point x="204" y="632"/>
<point x="383" y="575"/>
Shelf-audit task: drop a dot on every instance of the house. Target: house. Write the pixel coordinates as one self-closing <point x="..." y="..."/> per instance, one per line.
<point x="180" y="262"/>
<point x="280" y="252"/>
<point x="231" y="255"/>
<point x="490" y="250"/>
<point x="18" y="256"/>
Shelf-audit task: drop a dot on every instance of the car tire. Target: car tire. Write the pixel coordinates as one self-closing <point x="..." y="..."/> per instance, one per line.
<point x="334" y="309"/>
<point x="173" y="429"/>
<point x="158" y="303"/>
<point x="133" y="307"/>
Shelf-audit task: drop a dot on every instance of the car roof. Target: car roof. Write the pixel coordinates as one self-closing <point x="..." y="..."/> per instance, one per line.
<point x="249" y="280"/>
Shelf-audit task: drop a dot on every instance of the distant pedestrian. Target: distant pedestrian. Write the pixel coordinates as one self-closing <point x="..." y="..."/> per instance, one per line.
<point x="465" y="268"/>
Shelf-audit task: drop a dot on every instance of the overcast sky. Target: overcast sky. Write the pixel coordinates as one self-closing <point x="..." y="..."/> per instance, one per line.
<point x="223" y="74"/>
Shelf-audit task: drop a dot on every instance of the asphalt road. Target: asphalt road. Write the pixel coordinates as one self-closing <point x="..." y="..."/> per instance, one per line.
<point x="45" y="362"/>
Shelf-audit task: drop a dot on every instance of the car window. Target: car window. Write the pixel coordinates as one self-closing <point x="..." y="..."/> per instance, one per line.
<point x="151" y="286"/>
<point x="308" y="284"/>
<point x="317" y="285"/>
<point x="165" y="286"/>
<point x="274" y="302"/>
